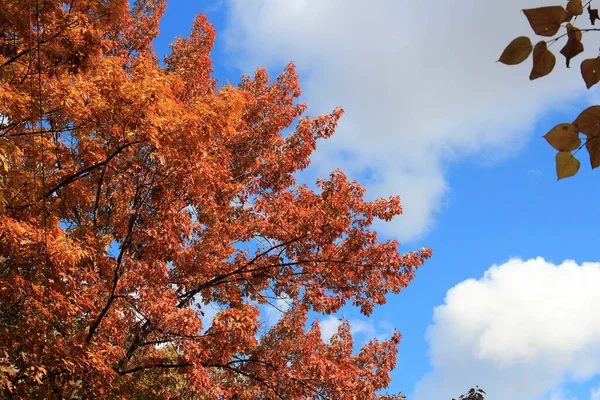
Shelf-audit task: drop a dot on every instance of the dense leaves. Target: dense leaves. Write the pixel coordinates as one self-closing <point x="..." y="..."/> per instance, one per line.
<point x="547" y="21"/>
<point x="135" y="197"/>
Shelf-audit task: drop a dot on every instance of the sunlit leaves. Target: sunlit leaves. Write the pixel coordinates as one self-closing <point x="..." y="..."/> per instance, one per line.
<point x="566" y="165"/>
<point x="517" y="51"/>
<point x="137" y="198"/>
<point x="564" y="137"/>
<point x="543" y="61"/>
<point x="546" y="21"/>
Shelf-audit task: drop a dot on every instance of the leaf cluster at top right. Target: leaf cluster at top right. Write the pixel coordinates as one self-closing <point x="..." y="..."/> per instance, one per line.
<point x="547" y="22"/>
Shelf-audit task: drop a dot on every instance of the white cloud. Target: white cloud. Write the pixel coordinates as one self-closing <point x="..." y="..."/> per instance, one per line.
<point x="560" y="394"/>
<point x="595" y="394"/>
<point x="518" y="332"/>
<point x="329" y="327"/>
<point x="362" y="330"/>
<point x="360" y="326"/>
<point x="418" y="81"/>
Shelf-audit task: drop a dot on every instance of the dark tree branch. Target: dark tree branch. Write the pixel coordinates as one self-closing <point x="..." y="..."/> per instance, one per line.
<point x="153" y="366"/>
<point x="186" y="297"/>
<point x="81" y="173"/>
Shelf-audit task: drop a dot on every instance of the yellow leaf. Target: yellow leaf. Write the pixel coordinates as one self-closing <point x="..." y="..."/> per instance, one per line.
<point x="543" y="61"/>
<point x="564" y="137"/>
<point x="566" y="165"/>
<point x="575" y="7"/>
<point x="546" y="21"/>
<point x="517" y="51"/>
<point x="593" y="147"/>
<point x="590" y="71"/>
<point x="588" y="122"/>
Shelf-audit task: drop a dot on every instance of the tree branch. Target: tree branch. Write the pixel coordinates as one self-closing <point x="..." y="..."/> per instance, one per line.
<point x="160" y="366"/>
<point x="80" y="174"/>
<point x="186" y="297"/>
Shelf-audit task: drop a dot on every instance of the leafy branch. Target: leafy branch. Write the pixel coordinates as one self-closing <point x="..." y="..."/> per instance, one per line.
<point x="548" y="21"/>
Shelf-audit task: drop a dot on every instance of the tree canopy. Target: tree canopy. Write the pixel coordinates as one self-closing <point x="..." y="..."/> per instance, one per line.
<point x="135" y="194"/>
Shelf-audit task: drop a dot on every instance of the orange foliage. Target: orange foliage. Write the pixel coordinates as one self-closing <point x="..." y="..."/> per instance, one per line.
<point x="134" y="195"/>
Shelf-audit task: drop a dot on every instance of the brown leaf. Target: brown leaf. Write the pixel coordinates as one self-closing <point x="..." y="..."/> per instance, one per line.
<point x="545" y="21"/>
<point x="569" y="17"/>
<point x="593" y="15"/>
<point x="571" y="49"/>
<point x="566" y="165"/>
<point x="575" y="7"/>
<point x="573" y="46"/>
<point x="588" y="122"/>
<point x="517" y="51"/>
<point x="573" y="32"/>
<point x="564" y="137"/>
<point x="593" y="147"/>
<point x="590" y="71"/>
<point x="543" y="61"/>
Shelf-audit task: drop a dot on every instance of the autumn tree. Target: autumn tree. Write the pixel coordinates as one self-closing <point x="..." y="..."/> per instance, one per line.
<point x="134" y="195"/>
<point x="558" y="23"/>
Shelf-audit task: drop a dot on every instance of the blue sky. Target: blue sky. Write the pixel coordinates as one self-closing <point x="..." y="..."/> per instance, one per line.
<point x="431" y="117"/>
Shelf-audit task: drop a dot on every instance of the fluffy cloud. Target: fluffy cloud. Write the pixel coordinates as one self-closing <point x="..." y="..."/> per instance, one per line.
<point x="329" y="327"/>
<point x="362" y="330"/>
<point x="418" y="82"/>
<point x="518" y="332"/>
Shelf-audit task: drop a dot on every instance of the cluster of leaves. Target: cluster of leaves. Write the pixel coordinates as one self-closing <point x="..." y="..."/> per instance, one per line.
<point x="134" y="195"/>
<point x="475" y="393"/>
<point x="548" y="21"/>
